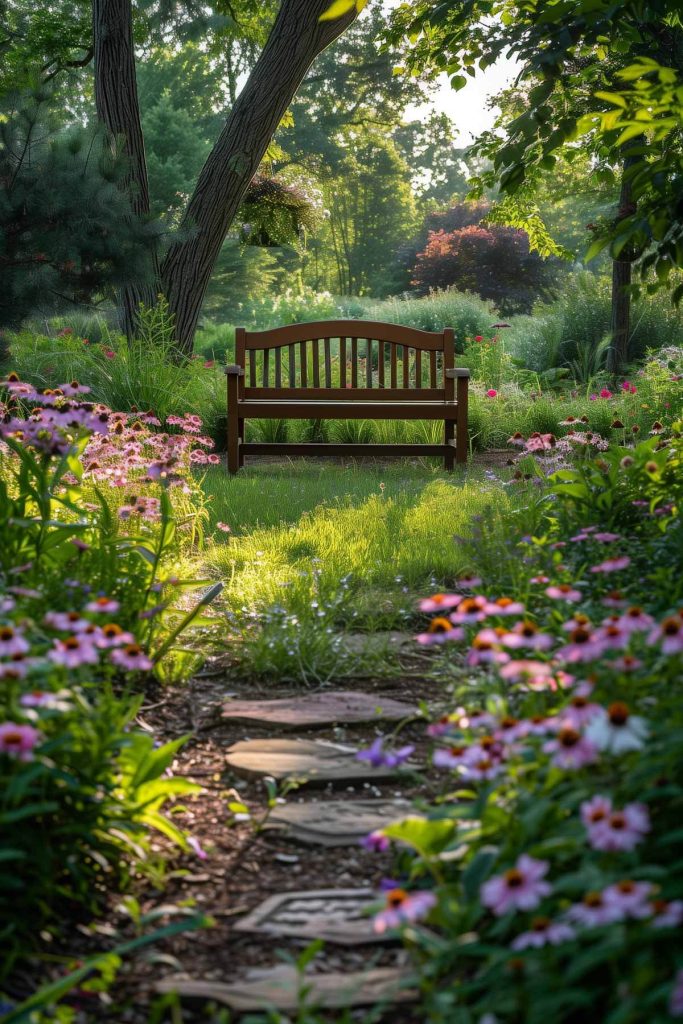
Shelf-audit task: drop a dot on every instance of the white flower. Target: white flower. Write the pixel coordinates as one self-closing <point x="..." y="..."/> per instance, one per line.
<point x="617" y="730"/>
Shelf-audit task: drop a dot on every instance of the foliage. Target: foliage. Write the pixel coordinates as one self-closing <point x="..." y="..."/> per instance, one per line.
<point x="551" y="747"/>
<point x="87" y="599"/>
<point x="67" y="235"/>
<point x="494" y="262"/>
<point x="578" y="62"/>
<point x="579" y="318"/>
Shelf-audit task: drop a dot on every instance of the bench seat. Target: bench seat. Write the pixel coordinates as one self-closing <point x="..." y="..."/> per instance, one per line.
<point x="304" y="409"/>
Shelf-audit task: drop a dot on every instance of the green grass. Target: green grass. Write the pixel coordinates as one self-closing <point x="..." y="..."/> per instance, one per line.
<point x="319" y="551"/>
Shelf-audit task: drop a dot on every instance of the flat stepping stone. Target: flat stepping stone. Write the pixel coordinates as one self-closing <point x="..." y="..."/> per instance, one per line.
<point x="280" y="988"/>
<point x="335" y="915"/>
<point x="316" y="762"/>
<point x="342" y="706"/>
<point x="336" y="822"/>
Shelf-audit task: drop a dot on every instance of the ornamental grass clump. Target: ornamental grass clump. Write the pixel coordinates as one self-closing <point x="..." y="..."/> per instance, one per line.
<point x="553" y="852"/>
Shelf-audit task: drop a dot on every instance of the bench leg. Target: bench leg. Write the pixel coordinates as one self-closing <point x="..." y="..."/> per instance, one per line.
<point x="461" y="437"/>
<point x="240" y="434"/>
<point x="449" y="457"/>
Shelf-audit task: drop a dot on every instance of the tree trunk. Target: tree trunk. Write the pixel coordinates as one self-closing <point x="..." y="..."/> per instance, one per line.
<point x="297" y="37"/>
<point x="617" y="354"/>
<point x="116" y="100"/>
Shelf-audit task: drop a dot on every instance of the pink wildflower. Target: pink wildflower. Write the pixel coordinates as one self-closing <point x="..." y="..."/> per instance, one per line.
<point x="616" y="730"/>
<point x="635" y="620"/>
<point x="439" y="602"/>
<point x="629" y="898"/>
<point x="469" y="582"/>
<point x="579" y="711"/>
<point x="620" y="830"/>
<point x="12" y="642"/>
<point x="604" y="537"/>
<point x="74" y="651"/>
<point x="504" y="606"/>
<point x="403" y="908"/>
<point x="544" y="932"/>
<point x="605" y="393"/>
<point x="131" y="657"/>
<point x="440" y="631"/>
<point x="469" y="611"/>
<point x="103" y="604"/>
<point x="527" y="634"/>
<point x="612" y="564"/>
<point x="563" y="592"/>
<point x="223" y="527"/>
<point x="669" y="632"/>
<point x="18" y="741"/>
<point x="519" y="888"/>
<point x="195" y="845"/>
<point x="594" y="911"/>
<point x="481" y="768"/>
<point x="524" y="669"/>
<point x="570" y="749"/>
<point x="450" y="757"/>
<point x="666" y="913"/>
<point x="71" y="622"/>
<point x="376" y="842"/>
<point x="491" y="393"/>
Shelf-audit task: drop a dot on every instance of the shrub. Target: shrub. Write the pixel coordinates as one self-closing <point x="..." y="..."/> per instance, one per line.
<point x="494" y="262"/>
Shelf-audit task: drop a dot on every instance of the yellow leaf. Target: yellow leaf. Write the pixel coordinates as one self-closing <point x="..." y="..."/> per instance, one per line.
<point x="338" y="9"/>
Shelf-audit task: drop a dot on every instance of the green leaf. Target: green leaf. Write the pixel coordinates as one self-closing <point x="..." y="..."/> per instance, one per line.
<point x="428" y="837"/>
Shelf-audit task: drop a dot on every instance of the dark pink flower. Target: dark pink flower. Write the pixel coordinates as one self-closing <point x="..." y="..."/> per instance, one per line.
<point x="519" y="888"/>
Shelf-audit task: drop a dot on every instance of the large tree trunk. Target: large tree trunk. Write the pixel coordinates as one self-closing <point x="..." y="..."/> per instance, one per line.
<point x="116" y="99"/>
<point x="617" y="354"/>
<point x="297" y="37"/>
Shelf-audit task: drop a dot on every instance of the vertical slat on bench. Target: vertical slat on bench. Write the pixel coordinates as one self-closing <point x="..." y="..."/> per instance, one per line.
<point x="380" y="364"/>
<point x="328" y="364"/>
<point x="368" y="362"/>
<point x="432" y="369"/>
<point x="418" y="368"/>
<point x="278" y="367"/>
<point x="406" y="366"/>
<point x="252" y="368"/>
<point x="316" y="363"/>
<point x="302" y="360"/>
<point x="342" y="362"/>
<point x="266" y="360"/>
<point x="354" y="363"/>
<point x="292" y="367"/>
<point x="394" y="376"/>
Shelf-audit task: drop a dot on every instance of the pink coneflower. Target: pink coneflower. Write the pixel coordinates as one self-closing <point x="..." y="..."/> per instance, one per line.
<point x="111" y="635"/>
<point x="469" y="582"/>
<point x="440" y="631"/>
<point x="485" y="650"/>
<point x="669" y="632"/>
<point x="103" y="604"/>
<point x="615" y="599"/>
<point x="620" y="830"/>
<point x="12" y="642"/>
<point x="504" y="606"/>
<point x="570" y="749"/>
<point x="612" y="564"/>
<point x="582" y="646"/>
<point x="71" y="622"/>
<point x="666" y="913"/>
<point x="525" y="669"/>
<point x="563" y="592"/>
<point x="539" y="579"/>
<point x="510" y="729"/>
<point x="540" y="442"/>
<point x="595" y="811"/>
<point x="629" y="898"/>
<point x="594" y="910"/>
<point x="439" y="602"/>
<point x="635" y="620"/>
<point x="18" y="741"/>
<point x="627" y="663"/>
<point x="450" y="757"/>
<point x="74" y="651"/>
<point x="612" y="637"/>
<point x="16" y="668"/>
<point x="605" y="537"/>
<point x="579" y="711"/>
<point x="527" y="634"/>
<point x="616" y="730"/>
<point x="517" y="439"/>
<point x="519" y="888"/>
<point x="403" y="908"/>
<point x="223" y="527"/>
<point x="544" y="932"/>
<point x="481" y="768"/>
<point x="469" y="611"/>
<point x="131" y="657"/>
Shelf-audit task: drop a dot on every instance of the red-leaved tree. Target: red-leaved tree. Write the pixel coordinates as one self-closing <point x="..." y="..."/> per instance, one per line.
<point x="493" y="261"/>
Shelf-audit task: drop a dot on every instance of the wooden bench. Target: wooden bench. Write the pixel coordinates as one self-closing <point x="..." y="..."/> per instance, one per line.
<point x="376" y="371"/>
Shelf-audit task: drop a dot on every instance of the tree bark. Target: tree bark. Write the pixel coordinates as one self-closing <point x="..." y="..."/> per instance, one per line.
<point x="617" y="354"/>
<point x="296" y="39"/>
<point x="116" y="100"/>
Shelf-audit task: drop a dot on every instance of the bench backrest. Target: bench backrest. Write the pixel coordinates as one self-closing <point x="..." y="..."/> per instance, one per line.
<point x="345" y="359"/>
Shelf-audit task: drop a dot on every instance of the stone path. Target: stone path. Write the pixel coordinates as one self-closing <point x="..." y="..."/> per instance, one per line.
<point x="340" y="916"/>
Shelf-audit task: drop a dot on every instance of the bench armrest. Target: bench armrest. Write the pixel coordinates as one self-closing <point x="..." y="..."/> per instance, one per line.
<point x="234" y="371"/>
<point x="458" y="372"/>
